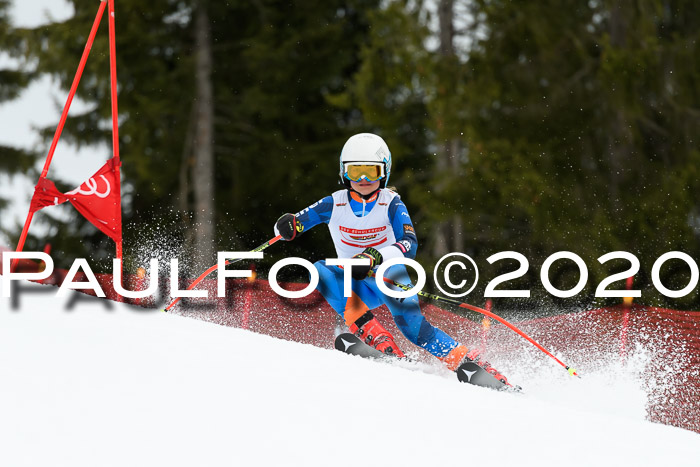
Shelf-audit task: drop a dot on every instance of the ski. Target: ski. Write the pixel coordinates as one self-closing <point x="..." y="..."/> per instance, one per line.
<point x="353" y="345"/>
<point x="468" y="372"/>
<point x="471" y="373"/>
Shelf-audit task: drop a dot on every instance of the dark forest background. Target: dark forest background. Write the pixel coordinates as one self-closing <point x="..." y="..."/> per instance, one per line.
<point x="514" y="125"/>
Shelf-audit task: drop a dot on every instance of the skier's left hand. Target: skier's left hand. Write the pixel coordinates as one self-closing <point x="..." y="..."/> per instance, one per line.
<point x="375" y="259"/>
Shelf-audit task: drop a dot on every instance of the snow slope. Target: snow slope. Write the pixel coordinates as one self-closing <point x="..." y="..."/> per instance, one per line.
<point x="91" y="386"/>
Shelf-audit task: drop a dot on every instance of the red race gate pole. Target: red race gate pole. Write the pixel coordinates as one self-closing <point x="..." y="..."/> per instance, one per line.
<point x="115" y="116"/>
<point x="485" y="326"/>
<point x="627" y="303"/>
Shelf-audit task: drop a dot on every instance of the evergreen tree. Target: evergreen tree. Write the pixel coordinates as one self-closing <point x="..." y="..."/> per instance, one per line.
<point x="575" y="135"/>
<point x="275" y="136"/>
<point x="553" y="126"/>
<point x="13" y="79"/>
<point x="390" y="90"/>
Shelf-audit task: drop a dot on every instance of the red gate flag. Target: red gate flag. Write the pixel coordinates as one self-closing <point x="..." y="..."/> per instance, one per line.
<point x="97" y="199"/>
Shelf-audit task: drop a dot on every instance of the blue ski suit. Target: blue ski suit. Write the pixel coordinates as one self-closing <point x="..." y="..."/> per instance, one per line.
<point x="382" y="222"/>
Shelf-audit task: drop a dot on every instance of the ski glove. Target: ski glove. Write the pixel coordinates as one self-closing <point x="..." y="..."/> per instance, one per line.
<point x="289" y="227"/>
<point x="375" y="259"/>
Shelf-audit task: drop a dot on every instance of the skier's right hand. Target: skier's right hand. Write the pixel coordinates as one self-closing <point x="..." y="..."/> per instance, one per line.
<point x="289" y="227"/>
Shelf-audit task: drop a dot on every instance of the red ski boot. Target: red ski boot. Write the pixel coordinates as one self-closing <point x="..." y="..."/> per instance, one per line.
<point x="367" y="328"/>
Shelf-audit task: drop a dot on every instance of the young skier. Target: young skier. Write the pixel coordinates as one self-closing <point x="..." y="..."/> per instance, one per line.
<point x="368" y="220"/>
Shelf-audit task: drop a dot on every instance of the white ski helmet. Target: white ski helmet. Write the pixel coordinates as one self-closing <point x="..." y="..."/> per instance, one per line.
<point x="368" y="148"/>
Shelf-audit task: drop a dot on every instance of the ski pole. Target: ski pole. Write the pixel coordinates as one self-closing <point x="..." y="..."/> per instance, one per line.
<point x="213" y="268"/>
<point x="483" y="312"/>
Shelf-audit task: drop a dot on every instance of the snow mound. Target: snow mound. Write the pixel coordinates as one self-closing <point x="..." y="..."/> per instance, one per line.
<point x="90" y="382"/>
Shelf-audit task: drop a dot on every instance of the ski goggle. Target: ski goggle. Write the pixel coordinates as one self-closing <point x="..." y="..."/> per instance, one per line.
<point x="366" y="171"/>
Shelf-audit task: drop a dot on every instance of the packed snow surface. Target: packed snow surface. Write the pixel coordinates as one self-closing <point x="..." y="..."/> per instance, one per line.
<point x="88" y="386"/>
